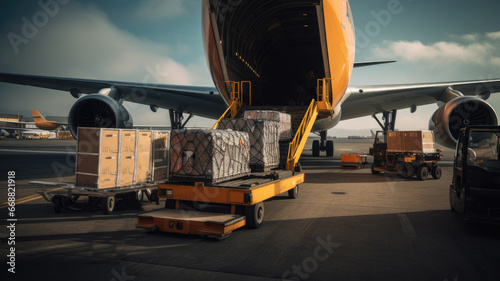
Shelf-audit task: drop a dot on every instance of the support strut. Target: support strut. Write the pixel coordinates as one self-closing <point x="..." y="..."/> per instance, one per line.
<point x="176" y="118"/>
<point x="389" y="118"/>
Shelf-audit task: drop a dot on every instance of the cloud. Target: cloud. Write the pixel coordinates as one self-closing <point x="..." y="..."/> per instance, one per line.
<point x="494" y="35"/>
<point x="82" y="42"/>
<point x="483" y="53"/>
<point x="157" y="10"/>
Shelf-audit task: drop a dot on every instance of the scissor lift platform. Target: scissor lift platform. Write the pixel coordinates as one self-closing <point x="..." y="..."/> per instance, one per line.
<point x="244" y="196"/>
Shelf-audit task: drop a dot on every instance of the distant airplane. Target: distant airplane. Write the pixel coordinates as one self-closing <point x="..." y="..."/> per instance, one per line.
<point x="282" y="48"/>
<point x="39" y="121"/>
<point x="44" y="124"/>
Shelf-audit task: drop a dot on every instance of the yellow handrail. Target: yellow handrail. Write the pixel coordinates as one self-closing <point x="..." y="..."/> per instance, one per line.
<point x="230" y="109"/>
<point x="299" y="141"/>
<point x="325" y="90"/>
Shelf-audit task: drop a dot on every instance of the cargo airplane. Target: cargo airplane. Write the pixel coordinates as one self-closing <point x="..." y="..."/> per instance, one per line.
<point x="281" y="49"/>
<point x="39" y="121"/>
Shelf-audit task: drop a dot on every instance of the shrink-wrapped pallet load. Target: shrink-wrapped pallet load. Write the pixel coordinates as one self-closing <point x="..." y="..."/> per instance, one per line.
<point x="284" y="119"/>
<point x="208" y="155"/>
<point x="264" y="152"/>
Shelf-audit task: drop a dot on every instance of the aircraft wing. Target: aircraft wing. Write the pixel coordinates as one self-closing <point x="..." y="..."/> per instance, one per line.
<point x="368" y="100"/>
<point x="200" y="101"/>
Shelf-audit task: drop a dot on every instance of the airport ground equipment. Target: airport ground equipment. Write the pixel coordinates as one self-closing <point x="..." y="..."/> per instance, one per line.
<point x="475" y="187"/>
<point x="406" y="153"/>
<point x="219" y="209"/>
<point x="68" y="196"/>
<point x="353" y="160"/>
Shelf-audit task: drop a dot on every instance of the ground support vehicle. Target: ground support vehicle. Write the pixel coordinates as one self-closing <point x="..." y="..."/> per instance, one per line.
<point x="406" y="154"/>
<point x="475" y="188"/>
<point x="219" y="209"/>
<point x="355" y="161"/>
<point x="64" y="195"/>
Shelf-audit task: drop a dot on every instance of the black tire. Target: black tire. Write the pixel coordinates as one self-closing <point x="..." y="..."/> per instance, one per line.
<point x="373" y="170"/>
<point x="437" y="172"/>
<point x="170" y="204"/>
<point x="294" y="192"/>
<point x="108" y="205"/>
<point x="315" y="149"/>
<point x="422" y="173"/>
<point x="298" y="168"/>
<point x="57" y="204"/>
<point x="453" y="210"/>
<point x="405" y="170"/>
<point x="255" y="215"/>
<point x="329" y="148"/>
<point x="139" y="196"/>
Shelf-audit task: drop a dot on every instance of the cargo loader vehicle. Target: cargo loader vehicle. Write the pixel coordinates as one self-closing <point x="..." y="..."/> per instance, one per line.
<point x="217" y="208"/>
<point x="406" y="153"/>
<point x="475" y="187"/>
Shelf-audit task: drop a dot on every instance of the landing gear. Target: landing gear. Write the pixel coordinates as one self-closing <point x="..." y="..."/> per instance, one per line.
<point x="176" y="119"/>
<point x="322" y="145"/>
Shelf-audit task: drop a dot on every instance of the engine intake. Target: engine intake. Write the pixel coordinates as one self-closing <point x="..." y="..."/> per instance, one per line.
<point x="98" y="111"/>
<point x="457" y="114"/>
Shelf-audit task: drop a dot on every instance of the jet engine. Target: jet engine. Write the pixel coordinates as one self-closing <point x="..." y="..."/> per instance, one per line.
<point x="99" y="111"/>
<point x="457" y="114"/>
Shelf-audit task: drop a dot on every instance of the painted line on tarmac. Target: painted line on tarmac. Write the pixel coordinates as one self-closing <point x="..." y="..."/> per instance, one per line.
<point x="408" y="229"/>
<point x="25" y="199"/>
<point x="37" y="151"/>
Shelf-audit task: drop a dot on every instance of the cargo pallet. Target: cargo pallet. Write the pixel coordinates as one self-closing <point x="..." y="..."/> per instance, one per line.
<point x="65" y="195"/>
<point x="406" y="154"/>
<point x="243" y="198"/>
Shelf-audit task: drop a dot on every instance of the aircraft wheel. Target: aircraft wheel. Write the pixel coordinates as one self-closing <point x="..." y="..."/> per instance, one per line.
<point x="329" y="148"/>
<point x="422" y="173"/>
<point x="437" y="172"/>
<point x="255" y="215"/>
<point x="294" y="192"/>
<point x="315" y="148"/>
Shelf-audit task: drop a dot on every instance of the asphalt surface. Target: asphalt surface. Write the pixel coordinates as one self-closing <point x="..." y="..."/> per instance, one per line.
<point x="346" y="224"/>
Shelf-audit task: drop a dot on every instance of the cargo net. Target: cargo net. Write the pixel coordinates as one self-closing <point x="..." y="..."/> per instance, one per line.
<point x="284" y="120"/>
<point x="264" y="141"/>
<point x="209" y="155"/>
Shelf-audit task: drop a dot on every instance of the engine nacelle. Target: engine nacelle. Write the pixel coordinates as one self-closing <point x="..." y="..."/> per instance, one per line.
<point x="99" y="111"/>
<point x="457" y="114"/>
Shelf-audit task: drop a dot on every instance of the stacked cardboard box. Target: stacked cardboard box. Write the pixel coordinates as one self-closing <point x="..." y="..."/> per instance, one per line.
<point x="160" y="163"/>
<point x="108" y="158"/>
<point x="208" y="155"/>
<point x="264" y="152"/>
<point x="284" y="120"/>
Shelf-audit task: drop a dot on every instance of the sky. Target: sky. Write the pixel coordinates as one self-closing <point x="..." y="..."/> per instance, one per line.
<point x="161" y="42"/>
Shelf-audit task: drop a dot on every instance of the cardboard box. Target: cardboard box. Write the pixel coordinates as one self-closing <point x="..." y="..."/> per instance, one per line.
<point x="160" y="161"/>
<point x="264" y="141"/>
<point x="109" y="158"/>
<point x="410" y="141"/>
<point x="208" y="155"/>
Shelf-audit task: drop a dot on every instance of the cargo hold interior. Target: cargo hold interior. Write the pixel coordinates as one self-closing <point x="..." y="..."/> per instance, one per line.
<point x="280" y="53"/>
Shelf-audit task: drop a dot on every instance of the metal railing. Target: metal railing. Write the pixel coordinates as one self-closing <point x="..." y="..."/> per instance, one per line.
<point x="299" y="141"/>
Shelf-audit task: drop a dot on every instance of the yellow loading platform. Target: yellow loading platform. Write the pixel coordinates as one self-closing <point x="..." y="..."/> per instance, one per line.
<point x="243" y="197"/>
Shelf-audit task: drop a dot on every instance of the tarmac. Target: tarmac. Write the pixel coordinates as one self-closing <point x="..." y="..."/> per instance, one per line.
<point x="346" y="224"/>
